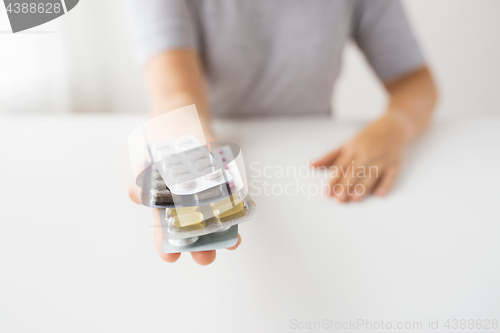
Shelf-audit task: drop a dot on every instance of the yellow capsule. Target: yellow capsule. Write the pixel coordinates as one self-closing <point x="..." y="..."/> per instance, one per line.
<point x="180" y="210"/>
<point x="233" y="197"/>
<point x="228" y="208"/>
<point x="186" y="219"/>
<point x="233" y="217"/>
<point x="192" y="227"/>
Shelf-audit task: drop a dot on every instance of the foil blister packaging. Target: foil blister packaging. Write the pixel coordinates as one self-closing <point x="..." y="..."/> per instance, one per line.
<point x="214" y="241"/>
<point x="187" y="167"/>
<point x="156" y="194"/>
<point x="203" y="220"/>
<point x="200" y="195"/>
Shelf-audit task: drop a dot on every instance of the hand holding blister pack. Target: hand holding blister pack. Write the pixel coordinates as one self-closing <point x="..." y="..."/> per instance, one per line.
<point x="200" y="190"/>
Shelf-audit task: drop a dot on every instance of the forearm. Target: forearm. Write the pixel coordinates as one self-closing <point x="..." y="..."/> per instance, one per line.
<point x="412" y="101"/>
<point x="175" y="79"/>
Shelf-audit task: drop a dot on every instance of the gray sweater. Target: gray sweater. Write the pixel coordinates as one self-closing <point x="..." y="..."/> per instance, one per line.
<point x="276" y="56"/>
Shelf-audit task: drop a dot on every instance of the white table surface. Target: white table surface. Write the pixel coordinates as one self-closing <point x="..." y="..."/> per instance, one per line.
<point x="77" y="256"/>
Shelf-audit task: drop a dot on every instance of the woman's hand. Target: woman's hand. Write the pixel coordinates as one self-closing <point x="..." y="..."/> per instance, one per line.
<point x="202" y="257"/>
<point x="369" y="162"/>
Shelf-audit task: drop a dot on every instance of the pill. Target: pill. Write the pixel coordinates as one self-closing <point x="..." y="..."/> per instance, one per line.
<point x="183" y="242"/>
<point x="233" y="197"/>
<point x="217" y="155"/>
<point x="186" y="180"/>
<point x="160" y="185"/>
<point x="183" y="141"/>
<point x="162" y="196"/>
<point x="228" y="208"/>
<point x="172" y="160"/>
<point x="186" y="219"/>
<point x="195" y="155"/>
<point x="212" y="174"/>
<point x="202" y="164"/>
<point x="177" y="170"/>
<point x="211" y="193"/>
<point x="180" y="210"/>
<point x="188" y="146"/>
<point x="234" y="216"/>
<point x="157" y="175"/>
<point x="208" y="170"/>
<point x="164" y="153"/>
<point x="177" y="227"/>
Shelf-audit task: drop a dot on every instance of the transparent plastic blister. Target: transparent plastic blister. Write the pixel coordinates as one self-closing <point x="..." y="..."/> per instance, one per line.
<point x="188" y="222"/>
<point x="155" y="192"/>
<point x="200" y="190"/>
<point x="187" y="172"/>
<point x="188" y="219"/>
<point x="187" y="167"/>
<point x="213" y="241"/>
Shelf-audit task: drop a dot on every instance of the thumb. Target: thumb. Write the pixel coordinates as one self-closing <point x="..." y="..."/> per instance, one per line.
<point x="134" y="191"/>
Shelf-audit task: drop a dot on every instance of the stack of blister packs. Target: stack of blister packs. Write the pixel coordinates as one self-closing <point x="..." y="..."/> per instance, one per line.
<point x="201" y="194"/>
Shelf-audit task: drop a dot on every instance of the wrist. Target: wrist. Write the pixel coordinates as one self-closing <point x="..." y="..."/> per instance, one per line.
<point x="402" y="124"/>
<point x="209" y="136"/>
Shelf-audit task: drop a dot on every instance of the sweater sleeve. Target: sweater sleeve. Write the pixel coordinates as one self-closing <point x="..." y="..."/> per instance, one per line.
<point x="383" y="33"/>
<point x="161" y="25"/>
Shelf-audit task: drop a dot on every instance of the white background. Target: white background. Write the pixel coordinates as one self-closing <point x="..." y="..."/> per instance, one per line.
<point x="88" y="65"/>
<point x="77" y="255"/>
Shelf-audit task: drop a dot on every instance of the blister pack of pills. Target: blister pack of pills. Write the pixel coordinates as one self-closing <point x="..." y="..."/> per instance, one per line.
<point x="200" y="194"/>
<point x="187" y="167"/>
<point x="213" y="241"/>
<point x="195" y="221"/>
<point x="155" y="192"/>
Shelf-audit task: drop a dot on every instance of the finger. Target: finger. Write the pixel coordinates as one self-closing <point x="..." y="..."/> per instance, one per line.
<point x="204" y="258"/>
<point x="337" y="185"/>
<point x="334" y="185"/>
<point x="328" y="159"/>
<point x="232" y="248"/>
<point x="387" y="181"/>
<point x="342" y="188"/>
<point x="365" y="179"/>
<point x="134" y="191"/>
<point x="363" y="187"/>
<point x="158" y="236"/>
<point x="355" y="175"/>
